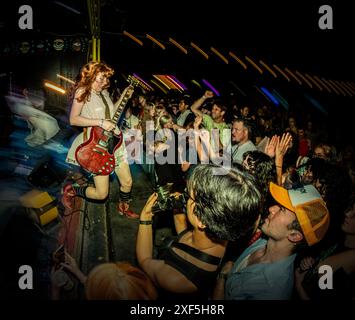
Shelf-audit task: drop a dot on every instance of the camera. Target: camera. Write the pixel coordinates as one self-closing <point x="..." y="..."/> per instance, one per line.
<point x="167" y="200"/>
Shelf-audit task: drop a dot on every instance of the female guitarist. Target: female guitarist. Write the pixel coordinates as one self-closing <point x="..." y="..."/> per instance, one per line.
<point x="92" y="107"/>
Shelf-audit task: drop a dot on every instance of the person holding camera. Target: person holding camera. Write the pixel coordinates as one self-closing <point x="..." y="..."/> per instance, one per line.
<point x="221" y="205"/>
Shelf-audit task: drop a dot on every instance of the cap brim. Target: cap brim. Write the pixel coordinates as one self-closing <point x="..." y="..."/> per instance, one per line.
<point x="280" y="194"/>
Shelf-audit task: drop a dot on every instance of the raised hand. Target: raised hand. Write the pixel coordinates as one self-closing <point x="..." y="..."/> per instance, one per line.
<point x="270" y="147"/>
<point x="283" y="145"/>
<point x="208" y="94"/>
<point x="147" y="212"/>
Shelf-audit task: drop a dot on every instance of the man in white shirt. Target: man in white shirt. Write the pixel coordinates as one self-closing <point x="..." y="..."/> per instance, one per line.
<point x="241" y="134"/>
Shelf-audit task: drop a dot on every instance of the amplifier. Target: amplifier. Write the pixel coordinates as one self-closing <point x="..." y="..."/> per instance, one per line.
<point x="42" y="204"/>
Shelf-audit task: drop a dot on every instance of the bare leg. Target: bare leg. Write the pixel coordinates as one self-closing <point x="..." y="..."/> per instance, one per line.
<point x="123" y="173"/>
<point x="100" y="191"/>
<point x="124" y="176"/>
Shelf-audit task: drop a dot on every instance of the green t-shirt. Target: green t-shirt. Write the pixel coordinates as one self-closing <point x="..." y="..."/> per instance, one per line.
<point x="209" y="124"/>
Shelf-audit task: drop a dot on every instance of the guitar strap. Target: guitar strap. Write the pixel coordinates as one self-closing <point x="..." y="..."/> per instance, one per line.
<point x="107" y="115"/>
<point x="107" y="108"/>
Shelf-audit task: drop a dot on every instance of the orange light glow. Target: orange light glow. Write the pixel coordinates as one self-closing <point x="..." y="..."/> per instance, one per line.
<point x="199" y="50"/>
<point x="254" y="64"/>
<point x="54" y="87"/>
<point x="304" y="79"/>
<point x="293" y="75"/>
<point x="155" y="41"/>
<point x="218" y="54"/>
<point x="268" y="68"/>
<point x="178" y="45"/>
<point x="237" y="59"/>
<point x="282" y="73"/>
<point x="131" y="36"/>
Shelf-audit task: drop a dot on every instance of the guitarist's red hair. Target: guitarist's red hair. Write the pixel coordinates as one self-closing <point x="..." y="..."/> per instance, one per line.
<point x="87" y="76"/>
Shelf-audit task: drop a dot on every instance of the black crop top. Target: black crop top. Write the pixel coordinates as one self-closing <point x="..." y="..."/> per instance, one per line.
<point x="204" y="280"/>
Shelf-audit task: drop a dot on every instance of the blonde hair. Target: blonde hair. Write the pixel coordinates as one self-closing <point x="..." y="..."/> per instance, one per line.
<point x="119" y="281"/>
<point x="162" y="121"/>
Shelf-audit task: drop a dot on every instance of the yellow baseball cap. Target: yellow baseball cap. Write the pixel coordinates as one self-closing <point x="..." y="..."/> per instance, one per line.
<point x="309" y="207"/>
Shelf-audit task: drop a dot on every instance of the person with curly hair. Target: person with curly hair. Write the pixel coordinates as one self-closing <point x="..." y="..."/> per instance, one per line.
<point x="92" y="106"/>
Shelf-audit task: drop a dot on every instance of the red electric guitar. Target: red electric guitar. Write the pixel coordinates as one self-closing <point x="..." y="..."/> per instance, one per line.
<point x="96" y="155"/>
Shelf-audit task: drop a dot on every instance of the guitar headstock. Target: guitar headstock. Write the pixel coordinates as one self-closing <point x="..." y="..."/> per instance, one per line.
<point x="133" y="81"/>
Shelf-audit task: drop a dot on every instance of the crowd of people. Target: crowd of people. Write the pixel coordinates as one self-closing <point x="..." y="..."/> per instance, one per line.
<point x="268" y="200"/>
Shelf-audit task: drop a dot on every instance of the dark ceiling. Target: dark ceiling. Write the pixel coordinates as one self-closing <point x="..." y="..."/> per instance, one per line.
<point x="285" y="33"/>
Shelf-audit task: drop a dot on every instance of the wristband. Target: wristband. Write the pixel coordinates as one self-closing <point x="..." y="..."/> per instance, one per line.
<point x="145" y="222"/>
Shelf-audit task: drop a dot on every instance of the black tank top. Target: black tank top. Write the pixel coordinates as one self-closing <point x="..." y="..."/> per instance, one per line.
<point x="203" y="280"/>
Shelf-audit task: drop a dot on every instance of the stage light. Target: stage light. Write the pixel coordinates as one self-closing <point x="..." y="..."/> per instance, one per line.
<point x="237" y="59"/>
<point x="281" y="99"/>
<point x="131" y="36"/>
<point x="340" y="89"/>
<point x="314" y="82"/>
<point x="196" y="83"/>
<point x="215" y="91"/>
<point x="322" y="83"/>
<point x="218" y="54"/>
<point x="178" y="45"/>
<point x="162" y="81"/>
<point x="316" y="104"/>
<point x="65" y="79"/>
<point x="143" y="82"/>
<point x="263" y="94"/>
<point x="271" y="97"/>
<point x="282" y="73"/>
<point x="331" y="85"/>
<point x="293" y="76"/>
<point x="268" y="68"/>
<point x="176" y="82"/>
<point x="344" y="88"/>
<point x="198" y="49"/>
<point x="254" y="64"/>
<point x="159" y="86"/>
<point x="179" y="82"/>
<point x="304" y="79"/>
<point x="54" y="87"/>
<point x="346" y="85"/>
<point x="67" y="7"/>
<point x="172" y="84"/>
<point x="155" y="41"/>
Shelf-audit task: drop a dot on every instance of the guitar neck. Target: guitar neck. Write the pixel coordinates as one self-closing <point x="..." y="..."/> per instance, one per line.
<point x="121" y="105"/>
